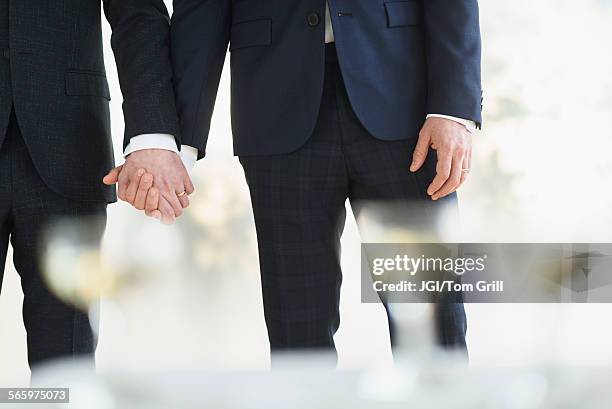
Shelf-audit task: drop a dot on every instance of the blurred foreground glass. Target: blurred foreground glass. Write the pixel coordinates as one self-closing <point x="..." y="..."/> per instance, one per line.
<point x="180" y="296"/>
<point x="432" y="384"/>
<point x="72" y="261"/>
<point x="79" y="273"/>
<point x="409" y="222"/>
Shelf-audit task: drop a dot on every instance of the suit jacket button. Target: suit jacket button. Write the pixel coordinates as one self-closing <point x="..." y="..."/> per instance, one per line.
<point x="313" y="19"/>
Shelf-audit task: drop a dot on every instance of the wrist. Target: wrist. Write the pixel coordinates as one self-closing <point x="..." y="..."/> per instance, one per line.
<point x="467" y="123"/>
<point x="151" y="141"/>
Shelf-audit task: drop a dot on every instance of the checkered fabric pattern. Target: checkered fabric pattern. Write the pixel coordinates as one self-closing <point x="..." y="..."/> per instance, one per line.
<point x="299" y="207"/>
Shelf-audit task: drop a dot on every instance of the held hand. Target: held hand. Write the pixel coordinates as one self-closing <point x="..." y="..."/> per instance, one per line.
<point x="453" y="145"/>
<point x="162" y="192"/>
<point x="154" y="205"/>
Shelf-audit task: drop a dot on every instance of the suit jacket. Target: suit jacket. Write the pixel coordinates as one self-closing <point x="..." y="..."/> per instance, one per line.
<point x="52" y="72"/>
<point x="400" y="60"/>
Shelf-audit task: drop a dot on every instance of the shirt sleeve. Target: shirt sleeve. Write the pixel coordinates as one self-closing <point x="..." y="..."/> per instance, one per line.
<point x="151" y="141"/>
<point x="188" y="154"/>
<point x="470" y="125"/>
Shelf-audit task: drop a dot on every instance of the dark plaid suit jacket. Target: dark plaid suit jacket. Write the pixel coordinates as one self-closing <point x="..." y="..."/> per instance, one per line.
<point x="52" y="73"/>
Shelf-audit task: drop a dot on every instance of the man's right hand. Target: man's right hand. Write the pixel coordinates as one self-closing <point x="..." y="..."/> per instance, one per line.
<point x="152" y="177"/>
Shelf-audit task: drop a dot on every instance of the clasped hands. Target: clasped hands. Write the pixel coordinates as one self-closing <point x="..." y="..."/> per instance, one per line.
<point x="155" y="181"/>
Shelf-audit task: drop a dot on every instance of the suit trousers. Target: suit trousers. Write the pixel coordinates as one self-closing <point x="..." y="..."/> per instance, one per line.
<point x="27" y="208"/>
<point x="299" y="200"/>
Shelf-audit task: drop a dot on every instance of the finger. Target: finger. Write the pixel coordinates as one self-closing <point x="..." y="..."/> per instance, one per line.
<point x="156" y="214"/>
<point x="130" y="193"/>
<point x="420" y="152"/>
<point x="184" y="201"/>
<point x="167" y="211"/>
<point x="113" y="176"/>
<point x="146" y="182"/>
<point x="173" y="201"/>
<point x="465" y="171"/>
<point x="152" y="202"/>
<point x="443" y="169"/>
<point x="123" y="183"/>
<point x="189" y="188"/>
<point x="182" y="197"/>
<point x="453" y="180"/>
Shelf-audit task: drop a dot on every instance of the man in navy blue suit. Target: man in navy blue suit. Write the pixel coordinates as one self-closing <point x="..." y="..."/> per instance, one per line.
<point x="332" y="101"/>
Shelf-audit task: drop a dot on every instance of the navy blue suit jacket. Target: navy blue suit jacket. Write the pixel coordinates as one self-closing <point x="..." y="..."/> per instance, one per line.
<point x="400" y="59"/>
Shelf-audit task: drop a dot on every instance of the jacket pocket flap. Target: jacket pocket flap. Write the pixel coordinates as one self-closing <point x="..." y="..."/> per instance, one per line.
<point x="403" y="13"/>
<point x="253" y="33"/>
<point x="87" y="84"/>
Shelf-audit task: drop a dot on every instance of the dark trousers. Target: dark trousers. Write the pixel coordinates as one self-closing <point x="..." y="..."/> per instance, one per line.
<point x="299" y="206"/>
<point x="27" y="207"/>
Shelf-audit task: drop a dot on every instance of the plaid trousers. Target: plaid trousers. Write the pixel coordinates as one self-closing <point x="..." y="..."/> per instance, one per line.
<point x="298" y="202"/>
<point x="27" y="208"/>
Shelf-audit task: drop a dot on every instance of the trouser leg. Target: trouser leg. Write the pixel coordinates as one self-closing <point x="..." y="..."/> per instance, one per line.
<point x="54" y="328"/>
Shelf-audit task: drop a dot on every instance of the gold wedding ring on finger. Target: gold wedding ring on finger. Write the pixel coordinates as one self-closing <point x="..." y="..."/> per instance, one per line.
<point x="183" y="193"/>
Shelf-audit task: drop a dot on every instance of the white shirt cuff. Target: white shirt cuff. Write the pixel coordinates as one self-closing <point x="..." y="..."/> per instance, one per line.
<point x="151" y="141"/>
<point x="469" y="125"/>
<point x="188" y="154"/>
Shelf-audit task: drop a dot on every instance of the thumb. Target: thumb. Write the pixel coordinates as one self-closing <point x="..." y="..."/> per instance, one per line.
<point x="420" y="152"/>
<point x="113" y="176"/>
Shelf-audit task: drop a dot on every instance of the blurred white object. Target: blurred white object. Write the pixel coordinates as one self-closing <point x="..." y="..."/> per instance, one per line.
<point x="437" y="382"/>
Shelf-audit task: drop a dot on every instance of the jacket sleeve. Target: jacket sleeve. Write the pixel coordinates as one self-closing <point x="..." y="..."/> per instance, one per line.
<point x="141" y="44"/>
<point x="453" y="48"/>
<point x="200" y="33"/>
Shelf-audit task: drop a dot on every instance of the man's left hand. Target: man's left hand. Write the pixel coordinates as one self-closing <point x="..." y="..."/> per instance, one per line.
<point x="453" y="144"/>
